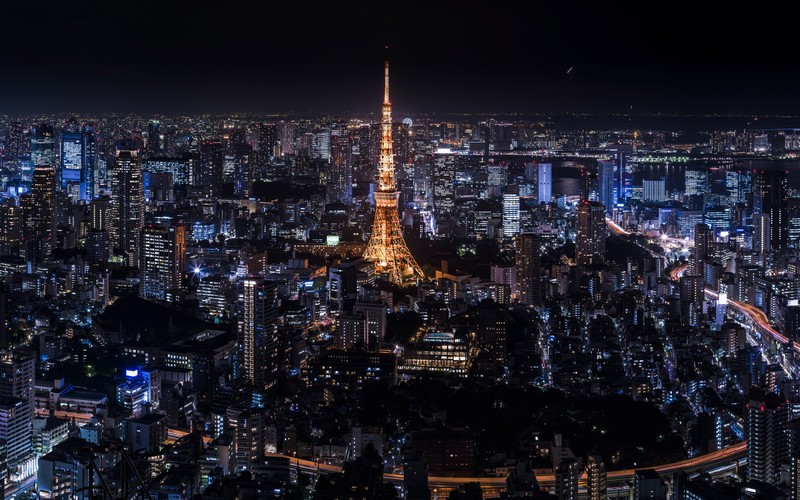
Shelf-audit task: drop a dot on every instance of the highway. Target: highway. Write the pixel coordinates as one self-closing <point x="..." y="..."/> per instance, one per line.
<point x="676" y="273"/>
<point x="493" y="486"/>
<point x="758" y="317"/>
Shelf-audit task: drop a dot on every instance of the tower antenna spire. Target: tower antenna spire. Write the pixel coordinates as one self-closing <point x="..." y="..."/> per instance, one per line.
<point x="386" y="75"/>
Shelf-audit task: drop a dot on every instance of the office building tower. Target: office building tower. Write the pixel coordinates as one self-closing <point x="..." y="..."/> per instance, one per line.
<point x="696" y="183"/>
<point x="654" y="190"/>
<point x="180" y="168"/>
<point x="545" y="183"/>
<point x="596" y="487"/>
<point x="590" y="186"/>
<point x="703" y="239"/>
<point x="590" y="234"/>
<point x="762" y="233"/>
<point x="444" y="177"/>
<point x="529" y="272"/>
<point x="43" y="146"/>
<point x="127" y="201"/>
<point x="251" y="437"/>
<point x="208" y="174"/>
<point x="648" y="485"/>
<point x="161" y="260"/>
<point x="40" y="216"/>
<point x="71" y="164"/>
<point x="258" y="332"/>
<point x="12" y="221"/>
<point x="770" y="197"/>
<point x="340" y="187"/>
<point x="15" y="428"/>
<point x="155" y="139"/>
<point x="511" y="211"/>
<point x="793" y="216"/>
<point x="605" y="175"/>
<point x="767" y="433"/>
<point x="375" y="317"/>
<point x="567" y="473"/>
<point x="17" y="372"/>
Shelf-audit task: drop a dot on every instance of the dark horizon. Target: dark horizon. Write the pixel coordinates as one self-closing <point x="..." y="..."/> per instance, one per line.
<point x="451" y="57"/>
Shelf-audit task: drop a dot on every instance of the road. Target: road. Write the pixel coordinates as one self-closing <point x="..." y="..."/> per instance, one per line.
<point x="493" y="485"/>
<point x="677" y="272"/>
<point x="758" y="317"/>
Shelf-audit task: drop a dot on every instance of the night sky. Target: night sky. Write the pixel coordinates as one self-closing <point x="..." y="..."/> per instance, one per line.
<point x="447" y="57"/>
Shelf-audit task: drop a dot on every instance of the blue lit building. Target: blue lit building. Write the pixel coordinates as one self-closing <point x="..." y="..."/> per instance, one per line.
<point x="77" y="164"/>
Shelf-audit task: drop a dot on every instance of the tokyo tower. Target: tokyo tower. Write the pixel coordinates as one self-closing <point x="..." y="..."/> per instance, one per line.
<point x="387" y="248"/>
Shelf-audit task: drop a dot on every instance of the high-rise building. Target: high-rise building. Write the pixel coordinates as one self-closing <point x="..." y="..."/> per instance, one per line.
<point x="127" y="201"/>
<point x="770" y="197"/>
<point x="250" y="438"/>
<point x="793" y="230"/>
<point x="161" y="260"/>
<point x="511" y="211"/>
<point x="648" y="485"/>
<point x="375" y="318"/>
<point x="17" y="372"/>
<point x="41" y="214"/>
<point x="444" y="177"/>
<point x="12" y="220"/>
<point x="210" y="167"/>
<point x="767" y="427"/>
<point x="529" y="272"/>
<point x="15" y="428"/>
<point x="762" y="233"/>
<point x="77" y="164"/>
<point x="545" y="182"/>
<point x="258" y="332"/>
<point x="596" y="481"/>
<point x="567" y="473"/>
<point x="703" y="239"/>
<point x="387" y="248"/>
<point x="155" y="139"/>
<point x="340" y="187"/>
<point x="71" y="164"/>
<point x="590" y="233"/>
<point x="654" y="190"/>
<point x="605" y="174"/>
<point x="43" y="146"/>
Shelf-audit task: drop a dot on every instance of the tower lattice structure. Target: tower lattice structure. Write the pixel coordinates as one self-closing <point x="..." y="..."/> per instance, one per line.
<point x="387" y="249"/>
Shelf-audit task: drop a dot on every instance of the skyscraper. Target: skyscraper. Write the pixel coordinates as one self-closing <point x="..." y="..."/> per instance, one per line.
<point x="161" y="260"/>
<point x="127" y="201"/>
<point x="590" y="233"/>
<point x="386" y="248"/>
<point x="340" y="187"/>
<point x="545" y="181"/>
<point x="703" y="238"/>
<point x="511" y="211"/>
<point x="444" y="177"/>
<point x="762" y="233"/>
<point x="41" y="214"/>
<point x="71" y="164"/>
<point x="43" y="146"/>
<point x="767" y="427"/>
<point x="605" y="174"/>
<point x="77" y="163"/>
<point x="258" y="332"/>
<point x="596" y="488"/>
<point x="17" y="371"/>
<point x="770" y="197"/>
<point x="210" y="167"/>
<point x="529" y="273"/>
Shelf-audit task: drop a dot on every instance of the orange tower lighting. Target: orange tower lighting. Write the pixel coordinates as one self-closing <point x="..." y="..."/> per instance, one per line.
<point x="387" y="249"/>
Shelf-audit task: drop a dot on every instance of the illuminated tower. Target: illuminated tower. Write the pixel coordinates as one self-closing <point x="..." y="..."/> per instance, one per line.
<point x="387" y="248"/>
